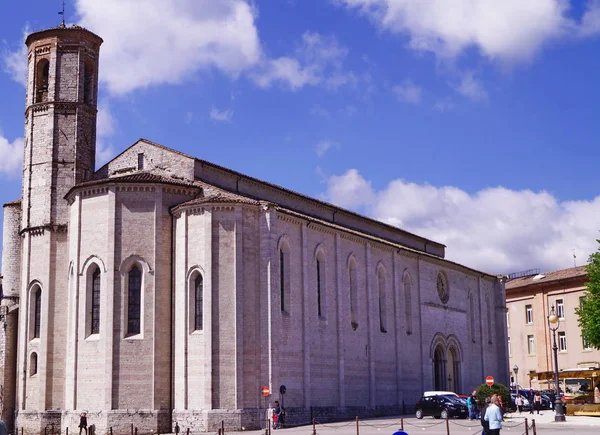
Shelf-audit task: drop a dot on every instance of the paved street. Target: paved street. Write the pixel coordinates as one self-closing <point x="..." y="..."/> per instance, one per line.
<point x="514" y="425"/>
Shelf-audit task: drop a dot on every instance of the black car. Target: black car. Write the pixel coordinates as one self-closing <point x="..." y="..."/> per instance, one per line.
<point x="441" y="407"/>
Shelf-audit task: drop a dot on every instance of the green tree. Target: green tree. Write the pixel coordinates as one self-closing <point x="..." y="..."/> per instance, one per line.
<point x="484" y="391"/>
<point x="589" y="309"/>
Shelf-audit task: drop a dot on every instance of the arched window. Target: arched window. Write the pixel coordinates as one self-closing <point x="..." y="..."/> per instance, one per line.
<point x="42" y="80"/>
<point x="198" y="299"/>
<point x="284" y="277"/>
<point x="353" y="278"/>
<point x="134" y="296"/>
<point x="321" y="285"/>
<point x="95" y="309"/>
<point x="407" y="303"/>
<point x="37" y="312"/>
<point x="382" y="300"/>
<point x="33" y="364"/>
<point x="88" y="83"/>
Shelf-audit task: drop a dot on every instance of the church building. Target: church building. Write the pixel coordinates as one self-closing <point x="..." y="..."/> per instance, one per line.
<point x="163" y="288"/>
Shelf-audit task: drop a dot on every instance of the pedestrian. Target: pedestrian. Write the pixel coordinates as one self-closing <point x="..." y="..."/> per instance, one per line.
<point x="484" y="423"/>
<point x="277" y="416"/>
<point x="519" y="402"/>
<point x="3" y="430"/>
<point x="552" y="397"/>
<point x="537" y="401"/>
<point x="470" y="401"/>
<point x="530" y="398"/>
<point x="83" y="423"/>
<point x="493" y="416"/>
<point x="177" y="428"/>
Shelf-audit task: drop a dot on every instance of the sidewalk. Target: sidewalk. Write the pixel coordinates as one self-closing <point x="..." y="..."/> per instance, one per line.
<point x="547" y="416"/>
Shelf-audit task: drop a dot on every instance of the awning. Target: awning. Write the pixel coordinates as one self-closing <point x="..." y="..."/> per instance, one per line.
<point x="567" y="374"/>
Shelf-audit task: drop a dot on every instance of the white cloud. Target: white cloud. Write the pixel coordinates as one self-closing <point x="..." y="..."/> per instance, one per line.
<point x="471" y="88"/>
<point x="153" y="42"/>
<point x="221" y="116"/>
<point x="11" y="156"/>
<point x="14" y="62"/>
<point x="323" y="146"/>
<point x="408" y="92"/>
<point x="496" y="230"/>
<point x="509" y="30"/>
<point x="105" y="128"/>
<point x="590" y="22"/>
<point x="317" y="61"/>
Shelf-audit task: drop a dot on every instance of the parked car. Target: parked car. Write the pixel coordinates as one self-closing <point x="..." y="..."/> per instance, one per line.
<point x="441" y="406"/>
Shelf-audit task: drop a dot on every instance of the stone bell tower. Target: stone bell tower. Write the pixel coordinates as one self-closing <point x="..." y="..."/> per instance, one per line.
<point x="59" y="152"/>
<point x="60" y="120"/>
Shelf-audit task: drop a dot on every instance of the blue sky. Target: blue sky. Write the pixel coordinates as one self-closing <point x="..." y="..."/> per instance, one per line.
<point x="472" y="122"/>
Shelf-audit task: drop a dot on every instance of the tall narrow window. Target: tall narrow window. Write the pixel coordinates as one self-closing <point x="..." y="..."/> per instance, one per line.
<point x="134" y="301"/>
<point x="353" y="294"/>
<point x="529" y="314"/>
<point x="37" y="313"/>
<point x="472" y="316"/>
<point x="382" y="300"/>
<point x="33" y="364"/>
<point x="88" y="83"/>
<point x="284" y="277"/>
<point x="509" y="348"/>
<point x="319" y="306"/>
<point x="199" y="288"/>
<point x="407" y="303"/>
<point x="560" y="308"/>
<point x="562" y="341"/>
<point x="140" y="165"/>
<point x="42" y="81"/>
<point x="488" y="304"/>
<point x="530" y="345"/>
<point x="95" y="314"/>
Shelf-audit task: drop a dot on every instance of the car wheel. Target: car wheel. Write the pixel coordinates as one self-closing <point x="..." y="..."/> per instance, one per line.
<point x="444" y="414"/>
<point x="419" y="414"/>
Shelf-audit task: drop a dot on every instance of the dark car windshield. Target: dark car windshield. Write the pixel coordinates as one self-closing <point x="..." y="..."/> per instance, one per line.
<point x="452" y="399"/>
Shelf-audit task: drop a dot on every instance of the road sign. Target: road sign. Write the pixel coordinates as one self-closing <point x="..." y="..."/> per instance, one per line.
<point x="265" y="391"/>
<point x="489" y="380"/>
<point x="282" y="389"/>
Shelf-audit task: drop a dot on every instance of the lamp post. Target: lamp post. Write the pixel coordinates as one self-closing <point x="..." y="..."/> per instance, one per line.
<point x="553" y="324"/>
<point x="516" y="371"/>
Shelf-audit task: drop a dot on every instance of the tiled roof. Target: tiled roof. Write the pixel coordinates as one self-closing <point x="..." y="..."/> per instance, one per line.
<point x="214" y="195"/>
<point x="61" y="28"/>
<point x="138" y="177"/>
<point x="17" y="202"/>
<point x="546" y="277"/>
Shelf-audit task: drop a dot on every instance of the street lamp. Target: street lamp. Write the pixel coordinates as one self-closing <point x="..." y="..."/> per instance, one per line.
<point x="516" y="371"/>
<point x="553" y="324"/>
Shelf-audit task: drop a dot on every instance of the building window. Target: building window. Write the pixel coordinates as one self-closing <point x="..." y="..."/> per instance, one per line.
<point x="507" y="319"/>
<point x="321" y="285"/>
<point x="198" y="300"/>
<point x="37" y="313"/>
<point x="472" y="317"/>
<point x="407" y="303"/>
<point x="586" y="344"/>
<point x="95" y="314"/>
<point x="562" y="341"/>
<point x="140" y="165"/>
<point x="33" y="364"/>
<point x="284" y="277"/>
<point x="42" y="81"/>
<point x="509" y="348"/>
<point x="442" y="288"/>
<point x="530" y="345"/>
<point x="382" y="300"/>
<point x="529" y="314"/>
<point x="88" y="83"/>
<point x="353" y="277"/>
<point x="560" y="308"/>
<point x="134" y="297"/>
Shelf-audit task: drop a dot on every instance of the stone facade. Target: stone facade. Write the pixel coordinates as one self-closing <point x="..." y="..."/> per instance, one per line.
<point x="163" y="288"/>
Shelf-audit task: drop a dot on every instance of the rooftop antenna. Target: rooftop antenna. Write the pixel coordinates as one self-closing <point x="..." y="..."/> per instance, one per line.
<point x="62" y="24"/>
<point x="574" y="258"/>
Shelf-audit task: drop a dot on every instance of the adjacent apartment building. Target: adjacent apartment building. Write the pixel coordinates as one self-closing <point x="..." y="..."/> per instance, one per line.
<point x="529" y="299"/>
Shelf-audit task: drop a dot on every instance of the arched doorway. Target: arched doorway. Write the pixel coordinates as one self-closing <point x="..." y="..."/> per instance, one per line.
<point x="453" y="370"/>
<point x="439" y="369"/>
